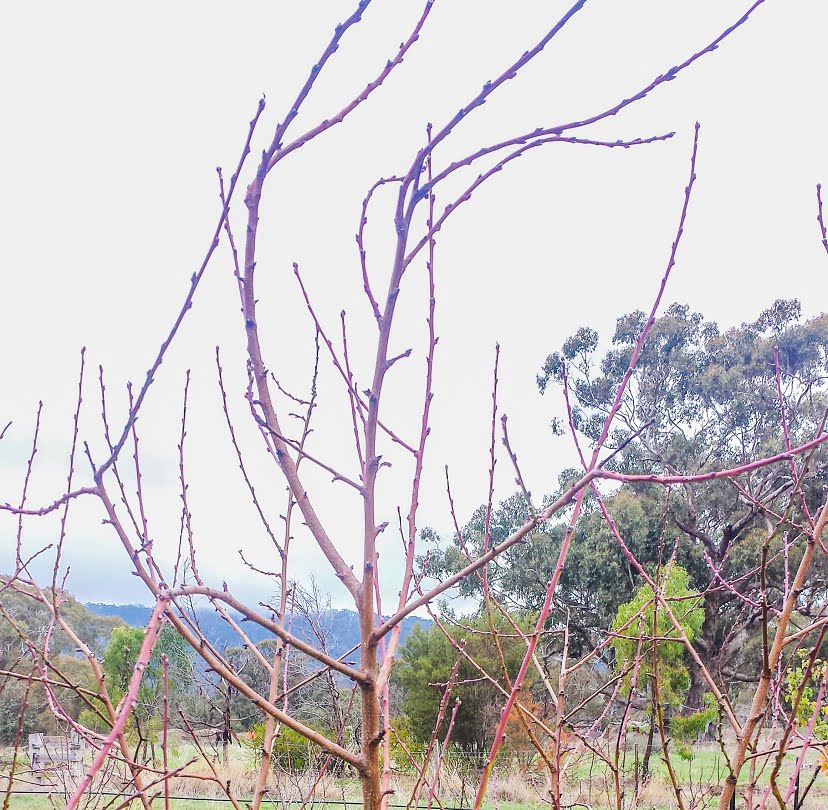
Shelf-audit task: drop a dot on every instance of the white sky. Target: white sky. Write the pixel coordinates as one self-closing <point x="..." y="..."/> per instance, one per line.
<point x="115" y="116"/>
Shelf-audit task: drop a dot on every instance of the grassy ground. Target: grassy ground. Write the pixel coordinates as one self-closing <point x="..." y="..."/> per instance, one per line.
<point x="42" y="803"/>
<point x="587" y="782"/>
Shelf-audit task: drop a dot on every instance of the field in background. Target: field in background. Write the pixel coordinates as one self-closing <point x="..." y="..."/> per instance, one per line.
<point x="588" y="783"/>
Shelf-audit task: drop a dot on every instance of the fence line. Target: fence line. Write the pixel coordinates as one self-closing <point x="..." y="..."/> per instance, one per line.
<point x="279" y="802"/>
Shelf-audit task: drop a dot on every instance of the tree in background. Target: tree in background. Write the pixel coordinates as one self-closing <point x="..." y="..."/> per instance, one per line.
<point x="25" y="623"/>
<point x="119" y="660"/>
<point x="598" y="576"/>
<point x="648" y="649"/>
<point x="700" y="400"/>
<point x="424" y="673"/>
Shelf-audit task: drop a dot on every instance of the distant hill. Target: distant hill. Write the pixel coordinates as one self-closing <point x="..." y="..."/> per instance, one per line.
<point x="341" y="627"/>
<point x="34" y="620"/>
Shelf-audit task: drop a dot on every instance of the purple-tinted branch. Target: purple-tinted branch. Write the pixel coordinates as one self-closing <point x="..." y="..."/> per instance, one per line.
<point x="186" y="525"/>
<point x="146" y="541"/>
<point x="186" y="515"/>
<point x="333" y="46"/>
<point x="808" y="736"/>
<point x="70" y="474"/>
<point x="115" y="469"/>
<point x="527" y="495"/>
<point x="820" y="219"/>
<point x="432" y="795"/>
<point x="667" y="76"/>
<point x="250" y="488"/>
<point x="499" y="166"/>
<point x="441" y="713"/>
<point x="410" y="541"/>
<point x="593" y="469"/>
<point x="343" y="372"/>
<point x="715" y="474"/>
<point x="188" y="301"/>
<point x="302" y="453"/>
<point x="45" y="510"/>
<point x="461" y="543"/>
<point x="274" y="627"/>
<point x="588" y="468"/>
<point x="639" y="344"/>
<point x="535" y="135"/>
<point x="360" y="590"/>
<point x="231" y="240"/>
<point x="488" y="88"/>
<point x="360" y="240"/>
<point x="165" y="666"/>
<point x="262" y="571"/>
<point x="487" y="521"/>
<point x="18" y="556"/>
<point x="319" y="328"/>
<point x="357" y="415"/>
<point x="277" y="152"/>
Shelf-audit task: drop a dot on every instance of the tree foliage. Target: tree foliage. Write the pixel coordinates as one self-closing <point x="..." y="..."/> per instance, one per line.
<point x="424" y="669"/>
<point x="643" y="630"/>
<point x="119" y="661"/>
<point x="25" y="621"/>
<point x="701" y="399"/>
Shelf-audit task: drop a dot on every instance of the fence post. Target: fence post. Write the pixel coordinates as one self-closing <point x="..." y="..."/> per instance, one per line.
<point x="733" y="799"/>
<point x="636" y="771"/>
<point x="796" y="793"/>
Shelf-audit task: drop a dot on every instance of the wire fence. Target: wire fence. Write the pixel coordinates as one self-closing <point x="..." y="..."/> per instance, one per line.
<point x="280" y="803"/>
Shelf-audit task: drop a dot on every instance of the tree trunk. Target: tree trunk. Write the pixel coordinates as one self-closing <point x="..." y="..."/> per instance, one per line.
<point x="695" y="696"/>
<point x="371" y="737"/>
<point x="708" y="650"/>
<point x="225" y="732"/>
<point x="370" y="777"/>
<point x="648" y="751"/>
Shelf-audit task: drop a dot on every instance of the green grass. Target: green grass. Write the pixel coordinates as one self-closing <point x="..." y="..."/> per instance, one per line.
<point x="706" y="768"/>
<point x="42" y="803"/>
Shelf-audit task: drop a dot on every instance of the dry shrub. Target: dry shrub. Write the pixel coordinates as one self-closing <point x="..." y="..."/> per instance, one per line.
<point x="283" y="785"/>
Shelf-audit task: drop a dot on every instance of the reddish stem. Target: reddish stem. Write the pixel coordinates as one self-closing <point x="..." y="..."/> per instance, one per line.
<point x="153" y="631"/>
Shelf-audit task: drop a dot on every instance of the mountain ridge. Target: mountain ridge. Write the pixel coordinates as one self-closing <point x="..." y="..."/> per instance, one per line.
<point x="339" y="627"/>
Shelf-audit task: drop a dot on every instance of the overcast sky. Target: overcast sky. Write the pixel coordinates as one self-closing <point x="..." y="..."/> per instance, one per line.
<point x="116" y="115"/>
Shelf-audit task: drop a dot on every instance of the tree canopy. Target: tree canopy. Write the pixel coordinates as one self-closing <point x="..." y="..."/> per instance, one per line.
<point x="699" y="399"/>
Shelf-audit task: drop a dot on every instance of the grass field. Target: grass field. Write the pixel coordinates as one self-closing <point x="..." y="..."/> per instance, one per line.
<point x="21" y="802"/>
<point x="588" y="783"/>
